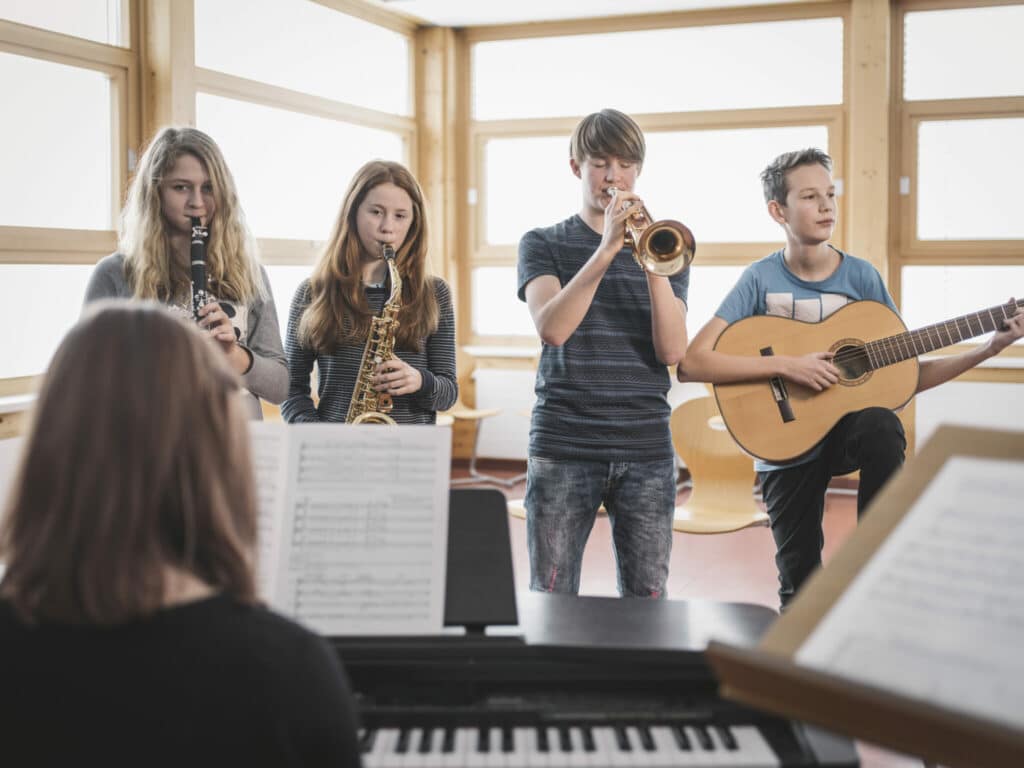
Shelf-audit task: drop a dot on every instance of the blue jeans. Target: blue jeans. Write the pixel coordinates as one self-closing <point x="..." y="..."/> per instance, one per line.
<point x="562" y="499"/>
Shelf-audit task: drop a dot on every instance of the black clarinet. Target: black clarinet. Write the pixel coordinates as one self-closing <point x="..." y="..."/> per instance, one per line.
<point x="200" y="296"/>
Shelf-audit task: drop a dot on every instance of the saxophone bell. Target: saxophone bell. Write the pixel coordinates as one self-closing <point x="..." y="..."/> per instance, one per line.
<point x="664" y="247"/>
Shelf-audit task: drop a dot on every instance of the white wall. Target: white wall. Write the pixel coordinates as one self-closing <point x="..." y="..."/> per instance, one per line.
<point x="970" y="403"/>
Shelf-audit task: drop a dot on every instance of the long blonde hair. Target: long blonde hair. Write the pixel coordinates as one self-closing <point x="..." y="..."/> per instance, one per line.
<point x="231" y="262"/>
<point x="337" y="311"/>
<point x="141" y="465"/>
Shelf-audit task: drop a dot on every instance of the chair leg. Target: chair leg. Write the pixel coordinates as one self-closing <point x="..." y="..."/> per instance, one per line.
<point x="479" y="477"/>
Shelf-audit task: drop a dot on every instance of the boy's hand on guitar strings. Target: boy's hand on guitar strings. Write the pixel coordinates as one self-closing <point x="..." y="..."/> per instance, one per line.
<point x="1012" y="330"/>
<point x="814" y="370"/>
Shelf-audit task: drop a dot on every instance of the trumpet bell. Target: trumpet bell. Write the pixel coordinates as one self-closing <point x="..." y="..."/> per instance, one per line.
<point x="665" y="247"/>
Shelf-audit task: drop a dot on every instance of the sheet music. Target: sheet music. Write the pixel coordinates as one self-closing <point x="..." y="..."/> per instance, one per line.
<point x="938" y="612"/>
<point x="362" y="528"/>
<point x="269" y="446"/>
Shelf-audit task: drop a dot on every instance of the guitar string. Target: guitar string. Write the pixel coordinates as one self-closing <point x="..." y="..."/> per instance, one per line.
<point x="891" y="344"/>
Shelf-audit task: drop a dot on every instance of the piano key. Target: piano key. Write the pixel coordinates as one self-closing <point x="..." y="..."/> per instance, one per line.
<point x="463" y="749"/>
<point x="588" y="739"/>
<point x="366" y="738"/>
<point x="622" y="738"/>
<point x="668" y="751"/>
<point x="402" y="745"/>
<point x="507" y="739"/>
<point x="608" y="749"/>
<point x="646" y="741"/>
<point x="426" y="741"/>
<point x="543" y="739"/>
<point x="429" y="754"/>
<point x="527" y="751"/>
<point x="495" y="758"/>
<point x="448" y="742"/>
<point x="752" y="751"/>
<point x="564" y="739"/>
<point x="703" y="737"/>
<point x="483" y="739"/>
<point x="383" y="752"/>
<point x="726" y="737"/>
<point x="679" y="734"/>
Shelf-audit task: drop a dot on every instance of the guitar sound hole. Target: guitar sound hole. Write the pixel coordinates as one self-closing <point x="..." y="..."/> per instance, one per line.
<point x="852" y="362"/>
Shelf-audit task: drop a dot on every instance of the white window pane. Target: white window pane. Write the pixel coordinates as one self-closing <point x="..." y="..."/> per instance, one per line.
<point x="710" y="180"/>
<point x="306" y="47"/>
<point x="708" y="286"/>
<point x="666" y="70"/>
<point x="99" y="20"/>
<point x="934" y="294"/>
<point x="54" y="176"/>
<point x="284" y="279"/>
<point x="967" y="52"/>
<point x="26" y="347"/>
<point x="497" y="310"/>
<point x="514" y="206"/>
<point x="291" y="169"/>
<point x="968" y="179"/>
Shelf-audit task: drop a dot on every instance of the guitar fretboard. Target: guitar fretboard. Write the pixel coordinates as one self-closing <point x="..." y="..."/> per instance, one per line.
<point x="903" y="346"/>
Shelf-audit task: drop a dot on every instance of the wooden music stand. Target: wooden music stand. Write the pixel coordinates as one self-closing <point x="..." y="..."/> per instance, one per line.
<point x="769" y="676"/>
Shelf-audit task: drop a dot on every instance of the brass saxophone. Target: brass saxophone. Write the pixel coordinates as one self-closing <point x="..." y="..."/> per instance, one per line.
<point x="368" y="406"/>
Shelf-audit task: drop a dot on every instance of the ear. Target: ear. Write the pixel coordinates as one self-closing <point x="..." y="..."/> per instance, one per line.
<point x="777" y="211"/>
<point x="575" y="168"/>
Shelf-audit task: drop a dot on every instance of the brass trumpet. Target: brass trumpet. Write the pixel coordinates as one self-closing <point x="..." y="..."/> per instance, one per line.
<point x="663" y="247"/>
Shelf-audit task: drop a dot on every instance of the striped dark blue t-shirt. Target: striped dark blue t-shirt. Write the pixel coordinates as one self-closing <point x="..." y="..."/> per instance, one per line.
<point x="601" y="395"/>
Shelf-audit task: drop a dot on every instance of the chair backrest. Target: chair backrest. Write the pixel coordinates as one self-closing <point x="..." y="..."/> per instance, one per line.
<point x="723" y="476"/>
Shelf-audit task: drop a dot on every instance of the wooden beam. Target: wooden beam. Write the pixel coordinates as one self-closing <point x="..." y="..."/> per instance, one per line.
<point x="168" y="60"/>
<point x="435" y="142"/>
<point x="868" y="97"/>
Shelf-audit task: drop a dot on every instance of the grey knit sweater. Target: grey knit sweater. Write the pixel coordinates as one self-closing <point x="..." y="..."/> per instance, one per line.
<point x="255" y="327"/>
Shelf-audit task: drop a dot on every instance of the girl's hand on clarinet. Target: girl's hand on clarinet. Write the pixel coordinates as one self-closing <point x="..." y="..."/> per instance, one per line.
<point x="397" y="377"/>
<point x="215" y="320"/>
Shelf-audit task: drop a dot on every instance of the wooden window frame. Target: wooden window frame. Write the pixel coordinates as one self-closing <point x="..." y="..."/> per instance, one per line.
<point x="477" y="253"/>
<point x="40" y="246"/>
<point x="906" y="248"/>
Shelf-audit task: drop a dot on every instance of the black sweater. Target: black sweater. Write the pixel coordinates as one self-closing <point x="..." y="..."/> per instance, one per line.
<point x="212" y="682"/>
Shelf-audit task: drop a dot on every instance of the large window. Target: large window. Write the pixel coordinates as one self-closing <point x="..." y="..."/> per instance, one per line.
<point x="298" y="113"/>
<point x="67" y="76"/>
<point x="714" y="113"/>
<point x="960" y="91"/>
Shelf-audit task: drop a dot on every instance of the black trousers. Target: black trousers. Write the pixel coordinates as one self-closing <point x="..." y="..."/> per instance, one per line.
<point x="872" y="441"/>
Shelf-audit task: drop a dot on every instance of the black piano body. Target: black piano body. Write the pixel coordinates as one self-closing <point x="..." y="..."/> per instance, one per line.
<point x="581" y="681"/>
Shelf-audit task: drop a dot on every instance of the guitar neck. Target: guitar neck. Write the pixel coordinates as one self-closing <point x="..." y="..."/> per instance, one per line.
<point x="903" y="346"/>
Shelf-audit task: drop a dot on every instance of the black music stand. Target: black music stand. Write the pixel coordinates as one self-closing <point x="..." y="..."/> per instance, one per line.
<point x="480" y="589"/>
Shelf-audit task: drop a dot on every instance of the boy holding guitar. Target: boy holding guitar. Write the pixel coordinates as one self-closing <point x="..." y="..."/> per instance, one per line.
<point x="807" y="282"/>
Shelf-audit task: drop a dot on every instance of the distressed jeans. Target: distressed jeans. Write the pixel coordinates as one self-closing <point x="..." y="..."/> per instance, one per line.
<point x="562" y="499"/>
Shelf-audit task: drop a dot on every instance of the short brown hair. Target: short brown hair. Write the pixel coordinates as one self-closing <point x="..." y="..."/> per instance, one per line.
<point x="137" y="460"/>
<point x="608" y="133"/>
<point x="773" y="178"/>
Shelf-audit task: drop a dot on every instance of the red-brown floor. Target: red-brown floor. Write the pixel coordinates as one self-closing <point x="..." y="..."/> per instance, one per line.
<point x="735" y="567"/>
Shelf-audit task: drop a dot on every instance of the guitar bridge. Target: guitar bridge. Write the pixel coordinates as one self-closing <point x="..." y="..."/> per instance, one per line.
<point x="779" y="391"/>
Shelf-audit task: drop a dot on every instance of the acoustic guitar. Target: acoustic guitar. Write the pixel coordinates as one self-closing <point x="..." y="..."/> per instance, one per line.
<point x="776" y="420"/>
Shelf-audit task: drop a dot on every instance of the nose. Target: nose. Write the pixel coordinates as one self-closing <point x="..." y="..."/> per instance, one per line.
<point x="195" y="198"/>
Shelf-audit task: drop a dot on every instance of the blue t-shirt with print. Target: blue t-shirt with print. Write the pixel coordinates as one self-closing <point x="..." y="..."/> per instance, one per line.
<point x="767" y="287"/>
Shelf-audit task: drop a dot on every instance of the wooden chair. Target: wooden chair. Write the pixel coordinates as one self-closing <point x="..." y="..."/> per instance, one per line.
<point x="722" y="498"/>
<point x="460" y="412"/>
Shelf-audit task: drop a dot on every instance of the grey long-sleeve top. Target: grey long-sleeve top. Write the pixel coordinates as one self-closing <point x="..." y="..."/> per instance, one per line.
<point x="256" y="329"/>
<point x="337" y="370"/>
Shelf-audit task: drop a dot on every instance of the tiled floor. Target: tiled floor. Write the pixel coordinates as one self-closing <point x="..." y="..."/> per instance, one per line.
<point x="736" y="567"/>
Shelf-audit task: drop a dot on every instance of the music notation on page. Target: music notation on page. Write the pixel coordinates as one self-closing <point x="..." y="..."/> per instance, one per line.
<point x="359" y="516"/>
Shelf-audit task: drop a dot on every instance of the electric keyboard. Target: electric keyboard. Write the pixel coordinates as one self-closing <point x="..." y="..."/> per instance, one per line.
<point x="588" y="682"/>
